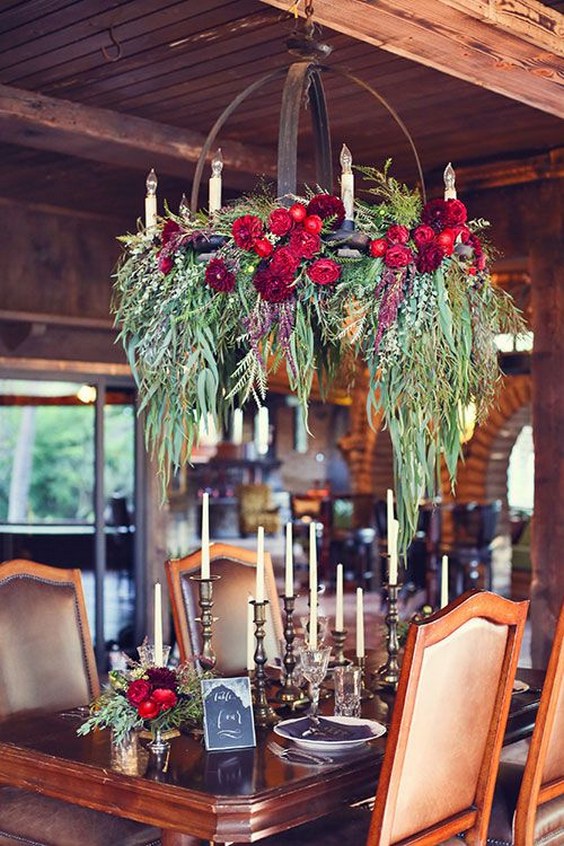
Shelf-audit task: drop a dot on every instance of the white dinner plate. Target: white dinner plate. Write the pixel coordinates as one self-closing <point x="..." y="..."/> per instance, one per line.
<point x="520" y="686"/>
<point x="283" y="729"/>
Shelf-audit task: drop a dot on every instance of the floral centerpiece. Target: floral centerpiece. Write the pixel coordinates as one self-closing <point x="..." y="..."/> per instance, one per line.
<point x="209" y="307"/>
<point x="157" y="699"/>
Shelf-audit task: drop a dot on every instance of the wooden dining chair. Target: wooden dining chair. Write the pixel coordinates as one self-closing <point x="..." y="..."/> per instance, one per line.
<point x="236" y="568"/>
<point x="47" y="664"/>
<point x="444" y="741"/>
<point x="529" y="800"/>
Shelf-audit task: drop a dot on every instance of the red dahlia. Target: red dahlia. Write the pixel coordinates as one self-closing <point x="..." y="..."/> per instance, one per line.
<point x="162" y="677"/>
<point x="284" y="263"/>
<point x="280" y="222"/>
<point x="219" y="277"/>
<point x="429" y="257"/>
<point x="246" y="230"/>
<point x="327" y="205"/>
<point x="422" y="235"/>
<point x="170" y="229"/>
<point x="324" y="271"/>
<point x="304" y="244"/>
<point x="273" y="287"/>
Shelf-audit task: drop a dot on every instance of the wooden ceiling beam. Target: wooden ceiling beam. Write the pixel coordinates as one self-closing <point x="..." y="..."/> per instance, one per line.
<point x="45" y="123"/>
<point x="512" y="48"/>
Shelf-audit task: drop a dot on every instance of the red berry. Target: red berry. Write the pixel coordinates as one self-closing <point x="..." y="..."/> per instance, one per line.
<point x="313" y="224"/>
<point x="262" y="247"/>
<point x="378" y="247"/>
<point x="298" y="212"/>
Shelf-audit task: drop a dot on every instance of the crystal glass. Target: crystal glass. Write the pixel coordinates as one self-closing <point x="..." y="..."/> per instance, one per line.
<point x="146" y="653"/>
<point x="314" y="664"/>
<point x="348" y="689"/>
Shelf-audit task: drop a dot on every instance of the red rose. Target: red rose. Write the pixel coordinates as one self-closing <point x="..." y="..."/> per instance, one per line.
<point x="297" y="212"/>
<point x="429" y="258"/>
<point x="422" y="235"/>
<point x="245" y="230"/>
<point x="445" y="240"/>
<point x="327" y="205"/>
<point x="324" y="271"/>
<point x="148" y="709"/>
<point x="398" y="256"/>
<point x="170" y="229"/>
<point x="280" y="222"/>
<point x="313" y="224"/>
<point x="219" y="277"/>
<point x="455" y="213"/>
<point x="284" y="263"/>
<point x="166" y="263"/>
<point x="263" y="247"/>
<point x="397" y="234"/>
<point x="378" y="247"/>
<point x="165" y="698"/>
<point x="138" y="691"/>
<point x="304" y="244"/>
<point x="272" y="286"/>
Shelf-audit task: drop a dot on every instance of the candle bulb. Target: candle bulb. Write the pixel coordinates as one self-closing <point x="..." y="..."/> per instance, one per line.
<point x="158" y="627"/>
<point x="250" y="635"/>
<point x="289" y="572"/>
<point x="205" y="570"/>
<point x="151" y="200"/>
<point x="449" y="178"/>
<point x="215" y="183"/>
<point x="339" y="617"/>
<point x="237" y="435"/>
<point x="347" y="182"/>
<point x="259" y="592"/>
<point x="444" y="581"/>
<point x="359" y="623"/>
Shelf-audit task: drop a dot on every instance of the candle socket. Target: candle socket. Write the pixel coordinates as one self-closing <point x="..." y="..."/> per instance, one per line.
<point x="339" y="636"/>
<point x="207" y="659"/>
<point x="289" y="693"/>
<point x="388" y="674"/>
<point x="263" y="713"/>
<point x="365" y="692"/>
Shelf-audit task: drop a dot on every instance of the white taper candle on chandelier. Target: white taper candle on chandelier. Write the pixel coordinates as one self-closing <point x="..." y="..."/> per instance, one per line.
<point x="151" y="200"/>
<point x="289" y="568"/>
<point x="214" y="203"/>
<point x="259" y="592"/>
<point x="158" y="626"/>
<point x="339" y="615"/>
<point x="359" y="623"/>
<point x="444" y="581"/>
<point x="205" y="568"/>
<point x="449" y="178"/>
<point x="347" y="182"/>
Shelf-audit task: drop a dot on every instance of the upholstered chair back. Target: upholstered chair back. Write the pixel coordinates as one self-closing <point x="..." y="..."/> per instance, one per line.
<point x="46" y="655"/>
<point x="236" y="568"/>
<point x="448" y="722"/>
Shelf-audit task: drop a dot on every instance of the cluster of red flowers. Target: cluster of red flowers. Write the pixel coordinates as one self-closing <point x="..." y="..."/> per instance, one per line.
<point x="298" y="230"/>
<point x="154" y="693"/>
<point x="443" y="226"/>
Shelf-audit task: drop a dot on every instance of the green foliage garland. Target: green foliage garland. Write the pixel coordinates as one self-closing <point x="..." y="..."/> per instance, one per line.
<point x="209" y="308"/>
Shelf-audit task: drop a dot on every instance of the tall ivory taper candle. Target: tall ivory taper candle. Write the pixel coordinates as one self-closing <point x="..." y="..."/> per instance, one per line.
<point x="444" y="581"/>
<point x="205" y="570"/>
<point x="158" y="626"/>
<point x="289" y="568"/>
<point x="339" y="615"/>
<point x="259" y="592"/>
<point x="359" y="623"/>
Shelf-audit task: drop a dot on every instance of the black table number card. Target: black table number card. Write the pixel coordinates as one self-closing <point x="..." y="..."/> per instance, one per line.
<point x="228" y="714"/>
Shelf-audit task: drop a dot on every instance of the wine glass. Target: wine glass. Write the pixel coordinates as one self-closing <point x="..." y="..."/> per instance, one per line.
<point x="314" y="669"/>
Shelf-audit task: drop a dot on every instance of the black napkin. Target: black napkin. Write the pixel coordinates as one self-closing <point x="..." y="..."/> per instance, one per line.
<point x="327" y="731"/>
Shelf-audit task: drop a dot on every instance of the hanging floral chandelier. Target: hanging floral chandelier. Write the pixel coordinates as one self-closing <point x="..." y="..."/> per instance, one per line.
<point x="210" y="304"/>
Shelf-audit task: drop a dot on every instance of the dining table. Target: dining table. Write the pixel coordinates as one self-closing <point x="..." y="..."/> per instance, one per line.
<point x="233" y="796"/>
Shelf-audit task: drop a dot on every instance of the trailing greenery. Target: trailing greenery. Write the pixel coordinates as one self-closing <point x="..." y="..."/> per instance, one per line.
<point x="209" y="308"/>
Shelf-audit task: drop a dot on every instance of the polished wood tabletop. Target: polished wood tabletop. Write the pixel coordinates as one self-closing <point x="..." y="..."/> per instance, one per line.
<point x="237" y="796"/>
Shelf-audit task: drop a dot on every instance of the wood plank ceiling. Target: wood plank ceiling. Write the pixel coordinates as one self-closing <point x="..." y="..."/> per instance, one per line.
<point x="181" y="63"/>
